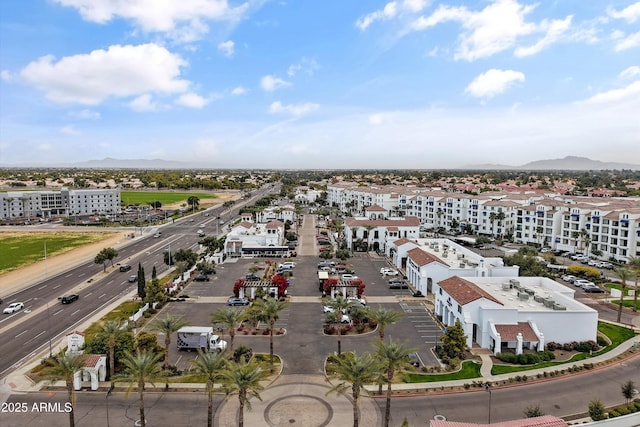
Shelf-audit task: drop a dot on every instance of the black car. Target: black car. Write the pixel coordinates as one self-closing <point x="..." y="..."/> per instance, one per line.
<point x="252" y="276"/>
<point x="202" y="278"/>
<point x="593" y="289"/>
<point x="68" y="299"/>
<point x="125" y="267"/>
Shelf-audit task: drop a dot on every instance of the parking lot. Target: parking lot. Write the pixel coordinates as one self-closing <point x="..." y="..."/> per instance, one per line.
<point x="304" y="346"/>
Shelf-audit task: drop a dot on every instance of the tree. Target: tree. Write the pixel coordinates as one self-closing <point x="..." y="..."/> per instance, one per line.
<point x="634" y="264"/>
<point x="141" y="282"/>
<point x="597" y="411"/>
<point x="106" y="254"/>
<point x="168" y="326"/>
<point x="628" y="390"/>
<point x="153" y="289"/>
<point x="270" y="310"/>
<point x="533" y="411"/>
<point x="111" y="329"/>
<point x="393" y="356"/>
<point x="454" y="341"/>
<point x="384" y="317"/>
<point x="66" y="367"/>
<point x="155" y="204"/>
<point x="194" y="202"/>
<point x="357" y="371"/>
<point x="492" y="219"/>
<point x="500" y="216"/>
<point x="244" y="379"/>
<point x="339" y="305"/>
<point x="231" y="318"/>
<point x="623" y="273"/>
<point x="209" y="366"/>
<point x="142" y="367"/>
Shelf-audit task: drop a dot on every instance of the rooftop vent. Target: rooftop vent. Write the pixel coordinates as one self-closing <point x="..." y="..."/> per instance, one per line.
<point x="559" y="307"/>
<point x="523" y="296"/>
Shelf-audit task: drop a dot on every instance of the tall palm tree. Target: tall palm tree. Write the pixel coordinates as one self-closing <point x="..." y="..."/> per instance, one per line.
<point x="244" y="379"/>
<point x="209" y="366"/>
<point x="168" y="326"/>
<point x="623" y="273"/>
<point x="358" y="371"/>
<point x="111" y="329"/>
<point x="231" y="318"/>
<point x="384" y="317"/>
<point x="66" y="367"/>
<point x="634" y="264"/>
<point x="270" y="310"/>
<point x="142" y="367"/>
<point x="492" y="219"/>
<point x="339" y="305"/>
<point x="393" y="357"/>
<point x="500" y="216"/>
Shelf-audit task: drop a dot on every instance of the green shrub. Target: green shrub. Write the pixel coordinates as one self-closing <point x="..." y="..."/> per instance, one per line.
<point x="583" y="271"/>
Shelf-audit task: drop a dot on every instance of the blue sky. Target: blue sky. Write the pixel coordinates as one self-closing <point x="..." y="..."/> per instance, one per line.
<point x="319" y="84"/>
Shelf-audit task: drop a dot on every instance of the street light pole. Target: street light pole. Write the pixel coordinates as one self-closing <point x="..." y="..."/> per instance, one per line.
<point x="487" y="388"/>
<point x="49" y="330"/>
<point x="107" y="399"/>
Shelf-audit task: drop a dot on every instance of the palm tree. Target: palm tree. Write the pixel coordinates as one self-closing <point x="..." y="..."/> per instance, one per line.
<point x="623" y="273"/>
<point x="142" y="367"/>
<point x="270" y="310"/>
<point x="369" y="228"/>
<point x="168" y="326"/>
<point x="358" y="371"/>
<point x="66" y="367"/>
<point x="231" y="318"/>
<point x="244" y="379"/>
<point x="111" y="329"/>
<point x="339" y="305"/>
<point x="634" y="264"/>
<point x="492" y="219"/>
<point x="393" y="356"/>
<point x="209" y="366"/>
<point x="384" y="317"/>
<point x="500" y="217"/>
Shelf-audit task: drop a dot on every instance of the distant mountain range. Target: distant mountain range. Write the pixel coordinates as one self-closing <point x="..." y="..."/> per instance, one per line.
<point x="569" y="163"/>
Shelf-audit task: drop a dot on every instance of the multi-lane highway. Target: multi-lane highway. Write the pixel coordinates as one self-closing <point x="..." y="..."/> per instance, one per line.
<point x="44" y="319"/>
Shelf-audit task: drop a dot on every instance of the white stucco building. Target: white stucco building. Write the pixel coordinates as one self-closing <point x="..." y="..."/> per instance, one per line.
<point x="251" y="239"/>
<point x="377" y="233"/>
<point x="515" y="313"/>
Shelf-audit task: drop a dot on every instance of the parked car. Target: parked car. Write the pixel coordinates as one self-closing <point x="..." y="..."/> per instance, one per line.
<point x="414" y="360"/>
<point x="397" y="284"/>
<point x="288" y="265"/>
<point x="606" y="265"/>
<point x="388" y="272"/>
<point x="569" y="278"/>
<point x="68" y="299"/>
<point x="581" y="283"/>
<point x="252" y="276"/>
<point x="347" y="277"/>
<point x="125" y="267"/>
<point x="593" y="289"/>
<point x="545" y="250"/>
<point x="13" y="307"/>
<point x="237" y="301"/>
<point x="201" y="278"/>
<point x="133" y="278"/>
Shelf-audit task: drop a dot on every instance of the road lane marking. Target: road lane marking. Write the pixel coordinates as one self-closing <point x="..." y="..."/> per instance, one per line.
<point x="42" y="287"/>
<point x="102" y="295"/>
<point x="57" y="286"/>
<point x="75" y="312"/>
<point x="21" y="333"/>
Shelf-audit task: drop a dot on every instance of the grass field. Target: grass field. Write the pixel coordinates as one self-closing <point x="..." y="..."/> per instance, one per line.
<point x="19" y="249"/>
<point x="166" y="198"/>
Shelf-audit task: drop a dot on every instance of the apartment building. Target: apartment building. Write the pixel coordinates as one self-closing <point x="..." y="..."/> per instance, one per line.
<point x="46" y="204"/>
<point x="604" y="227"/>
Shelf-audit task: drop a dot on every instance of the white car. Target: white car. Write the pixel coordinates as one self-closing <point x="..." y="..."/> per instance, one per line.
<point x="287" y="265"/>
<point x="388" y="272"/>
<point x="581" y="283"/>
<point x="13" y="307"/>
<point x="348" y="277"/>
<point x="569" y="278"/>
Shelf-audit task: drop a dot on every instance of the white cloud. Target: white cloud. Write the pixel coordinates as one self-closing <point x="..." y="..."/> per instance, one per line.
<point x="144" y="103"/>
<point x="182" y="20"/>
<point x="309" y="66"/>
<point x="387" y="12"/>
<point x="378" y="118"/>
<point x="630" y="92"/>
<point x="496" y="28"/>
<point x="227" y="48"/>
<point x="414" y="5"/>
<point x="627" y="42"/>
<point x="271" y="83"/>
<point x="629" y="73"/>
<point x="86" y="114"/>
<point x="6" y="75"/>
<point x="296" y="110"/>
<point x="554" y="31"/>
<point x="630" y="13"/>
<point x="120" y="71"/>
<point x="69" y="131"/>
<point x="493" y="82"/>
<point x="191" y="100"/>
<point x="239" y="90"/>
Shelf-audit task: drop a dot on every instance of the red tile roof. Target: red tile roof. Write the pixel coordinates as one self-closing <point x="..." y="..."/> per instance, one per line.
<point x="420" y="257"/>
<point x="510" y="332"/>
<point x="75" y="332"/>
<point x="407" y="221"/>
<point x="402" y="241"/>
<point x="375" y="208"/>
<point x="92" y="360"/>
<point x="275" y="224"/>
<point x="464" y="291"/>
